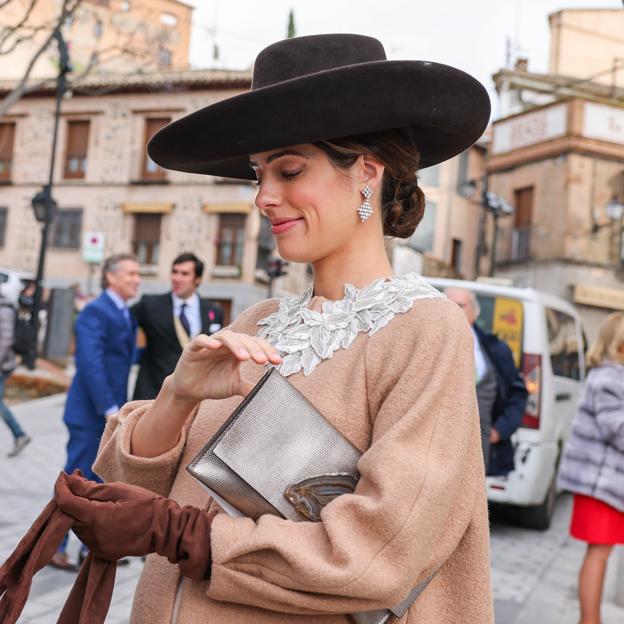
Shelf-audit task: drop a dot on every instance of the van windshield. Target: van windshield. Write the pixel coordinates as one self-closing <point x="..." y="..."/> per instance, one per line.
<point x="504" y="317"/>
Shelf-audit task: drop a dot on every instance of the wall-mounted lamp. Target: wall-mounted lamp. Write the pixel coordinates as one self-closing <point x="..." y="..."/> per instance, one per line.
<point x="614" y="210"/>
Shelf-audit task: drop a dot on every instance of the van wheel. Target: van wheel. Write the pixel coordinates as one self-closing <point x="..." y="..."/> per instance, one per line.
<point x="539" y="517"/>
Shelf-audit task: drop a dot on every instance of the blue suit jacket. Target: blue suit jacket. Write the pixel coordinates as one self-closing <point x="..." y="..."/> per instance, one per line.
<point x="105" y="346"/>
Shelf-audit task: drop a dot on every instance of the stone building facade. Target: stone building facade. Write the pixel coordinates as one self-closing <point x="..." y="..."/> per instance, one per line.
<point x="561" y="163"/>
<point x="105" y="183"/>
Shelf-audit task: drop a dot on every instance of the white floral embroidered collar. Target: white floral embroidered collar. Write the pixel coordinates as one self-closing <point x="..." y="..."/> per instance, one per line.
<point x="305" y="337"/>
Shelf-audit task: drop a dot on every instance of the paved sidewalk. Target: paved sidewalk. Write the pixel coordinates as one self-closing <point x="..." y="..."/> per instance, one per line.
<point x="25" y="487"/>
<point x="533" y="573"/>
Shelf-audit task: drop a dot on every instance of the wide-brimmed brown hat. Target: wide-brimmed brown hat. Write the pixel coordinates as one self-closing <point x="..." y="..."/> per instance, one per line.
<point x="321" y="87"/>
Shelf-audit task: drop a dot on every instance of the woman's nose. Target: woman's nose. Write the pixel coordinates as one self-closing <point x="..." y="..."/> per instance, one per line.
<point x="267" y="196"/>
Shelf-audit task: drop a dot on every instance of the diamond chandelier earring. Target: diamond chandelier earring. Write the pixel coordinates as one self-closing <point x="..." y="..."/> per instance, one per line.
<point x="366" y="209"/>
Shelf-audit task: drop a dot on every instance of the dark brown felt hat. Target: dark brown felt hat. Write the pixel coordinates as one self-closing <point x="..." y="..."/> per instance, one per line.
<point x="321" y="87"/>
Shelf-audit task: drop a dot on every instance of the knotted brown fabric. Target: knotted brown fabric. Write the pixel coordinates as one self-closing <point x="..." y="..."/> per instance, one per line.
<point x="113" y="520"/>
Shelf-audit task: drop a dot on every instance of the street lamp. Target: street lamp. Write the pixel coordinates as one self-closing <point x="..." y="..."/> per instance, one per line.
<point x="39" y="205"/>
<point x="42" y="203"/>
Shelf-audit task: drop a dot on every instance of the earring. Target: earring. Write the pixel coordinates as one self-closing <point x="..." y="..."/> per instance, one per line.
<point x="366" y="209"/>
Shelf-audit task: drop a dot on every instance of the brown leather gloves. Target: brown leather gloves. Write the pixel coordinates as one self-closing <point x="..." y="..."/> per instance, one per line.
<point x="114" y="520"/>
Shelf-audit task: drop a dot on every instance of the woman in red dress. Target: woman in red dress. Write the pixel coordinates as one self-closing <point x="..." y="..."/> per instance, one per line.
<point x="593" y="464"/>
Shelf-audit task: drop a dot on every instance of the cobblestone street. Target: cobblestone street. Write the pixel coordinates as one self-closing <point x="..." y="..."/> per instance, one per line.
<point x="534" y="574"/>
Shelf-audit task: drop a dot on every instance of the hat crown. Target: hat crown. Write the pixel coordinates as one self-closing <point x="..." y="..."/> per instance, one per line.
<point x="301" y="56"/>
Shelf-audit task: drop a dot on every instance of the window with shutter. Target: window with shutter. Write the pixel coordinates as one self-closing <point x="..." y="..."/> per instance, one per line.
<point x="76" y="149"/>
<point x="151" y="171"/>
<point x="231" y="242"/>
<point x="66" y="228"/>
<point x="7" y="137"/>
<point x="146" y="241"/>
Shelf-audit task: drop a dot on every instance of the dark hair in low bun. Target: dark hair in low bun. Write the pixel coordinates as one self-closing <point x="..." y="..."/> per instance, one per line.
<point x="402" y="200"/>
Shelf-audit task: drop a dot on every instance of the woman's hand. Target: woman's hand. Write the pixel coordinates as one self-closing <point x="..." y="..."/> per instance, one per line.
<point x="209" y="367"/>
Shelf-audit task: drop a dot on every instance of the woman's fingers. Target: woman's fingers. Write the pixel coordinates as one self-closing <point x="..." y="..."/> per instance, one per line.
<point x="272" y="353"/>
<point x="242" y="346"/>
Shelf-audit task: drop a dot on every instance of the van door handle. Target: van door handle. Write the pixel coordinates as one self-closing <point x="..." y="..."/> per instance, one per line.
<point x="564" y="396"/>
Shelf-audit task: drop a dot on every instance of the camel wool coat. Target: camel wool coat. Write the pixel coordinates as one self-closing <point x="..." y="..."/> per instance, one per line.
<point x="405" y="397"/>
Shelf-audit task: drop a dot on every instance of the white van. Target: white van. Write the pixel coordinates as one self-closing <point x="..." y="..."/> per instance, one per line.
<point x="12" y="283"/>
<point x="545" y="335"/>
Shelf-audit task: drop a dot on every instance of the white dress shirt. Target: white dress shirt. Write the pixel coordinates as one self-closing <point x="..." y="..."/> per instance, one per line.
<point x="481" y="365"/>
<point x="192" y="312"/>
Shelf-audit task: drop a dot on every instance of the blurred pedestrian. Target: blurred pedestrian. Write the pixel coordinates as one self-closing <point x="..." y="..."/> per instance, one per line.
<point x="8" y="363"/>
<point x="593" y="464"/>
<point x="105" y="345"/>
<point x="501" y="392"/>
<point x="170" y="321"/>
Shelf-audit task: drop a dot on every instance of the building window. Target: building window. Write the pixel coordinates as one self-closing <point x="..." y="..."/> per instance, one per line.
<point x="76" y="149"/>
<point x="7" y="137"/>
<point x="523" y="220"/>
<point x="266" y="244"/>
<point x="231" y="242"/>
<point x="125" y="5"/>
<point x="456" y="255"/>
<point x="165" y="57"/>
<point x="3" y="224"/>
<point x="146" y="241"/>
<point x="151" y="171"/>
<point x="423" y="237"/>
<point x="565" y="352"/>
<point x="462" y="172"/>
<point x="66" y="229"/>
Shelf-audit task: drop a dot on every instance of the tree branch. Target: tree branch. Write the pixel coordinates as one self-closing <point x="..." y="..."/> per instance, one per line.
<point x="69" y="6"/>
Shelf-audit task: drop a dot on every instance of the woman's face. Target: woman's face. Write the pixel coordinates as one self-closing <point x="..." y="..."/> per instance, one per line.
<point x="311" y="204"/>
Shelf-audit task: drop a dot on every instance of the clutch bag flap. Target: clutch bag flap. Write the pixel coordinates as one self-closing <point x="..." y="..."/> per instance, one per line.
<point x="279" y="439"/>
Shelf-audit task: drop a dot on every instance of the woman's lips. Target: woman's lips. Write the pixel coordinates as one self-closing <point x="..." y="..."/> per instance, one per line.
<point x="284" y="226"/>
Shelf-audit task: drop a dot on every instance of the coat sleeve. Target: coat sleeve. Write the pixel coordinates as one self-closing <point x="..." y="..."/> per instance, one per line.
<point x="609" y="409"/>
<point x="421" y="481"/>
<point x="90" y="342"/>
<point x="115" y="461"/>
<point x="515" y="401"/>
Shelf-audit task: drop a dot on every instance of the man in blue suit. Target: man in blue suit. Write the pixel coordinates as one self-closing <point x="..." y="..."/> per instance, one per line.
<point x="105" y="347"/>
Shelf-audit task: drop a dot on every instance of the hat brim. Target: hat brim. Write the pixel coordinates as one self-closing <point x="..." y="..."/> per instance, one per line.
<point x="447" y="108"/>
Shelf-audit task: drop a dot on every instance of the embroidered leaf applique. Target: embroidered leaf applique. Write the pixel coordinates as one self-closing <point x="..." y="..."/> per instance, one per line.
<point x="307" y="337"/>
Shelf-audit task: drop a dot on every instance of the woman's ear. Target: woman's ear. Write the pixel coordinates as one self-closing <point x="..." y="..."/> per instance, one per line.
<point x="371" y="172"/>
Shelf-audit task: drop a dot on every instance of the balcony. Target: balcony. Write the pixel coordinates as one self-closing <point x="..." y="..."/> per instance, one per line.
<point x="515" y="245"/>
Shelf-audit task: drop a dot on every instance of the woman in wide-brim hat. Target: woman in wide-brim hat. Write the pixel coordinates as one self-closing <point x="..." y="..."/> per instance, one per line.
<point x="335" y="134"/>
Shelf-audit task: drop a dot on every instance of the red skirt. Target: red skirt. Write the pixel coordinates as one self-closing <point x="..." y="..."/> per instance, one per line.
<point x="596" y="522"/>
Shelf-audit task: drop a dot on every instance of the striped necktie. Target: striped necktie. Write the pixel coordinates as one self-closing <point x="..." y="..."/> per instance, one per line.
<point x="184" y="320"/>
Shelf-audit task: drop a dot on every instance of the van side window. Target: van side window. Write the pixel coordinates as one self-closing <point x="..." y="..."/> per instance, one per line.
<point x="563" y="344"/>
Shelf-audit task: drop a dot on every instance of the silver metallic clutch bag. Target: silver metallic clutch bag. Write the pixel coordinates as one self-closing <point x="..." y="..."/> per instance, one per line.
<point x="276" y="454"/>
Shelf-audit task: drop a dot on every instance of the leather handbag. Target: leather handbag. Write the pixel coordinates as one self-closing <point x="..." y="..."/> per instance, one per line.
<point x="276" y="454"/>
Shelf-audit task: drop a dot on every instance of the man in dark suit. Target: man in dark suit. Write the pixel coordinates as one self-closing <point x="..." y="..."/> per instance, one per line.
<point x="170" y="320"/>
<point x="105" y="347"/>
<point x="501" y="391"/>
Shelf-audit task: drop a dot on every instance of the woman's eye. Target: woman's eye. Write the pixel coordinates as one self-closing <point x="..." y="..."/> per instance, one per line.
<point x="290" y="174"/>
